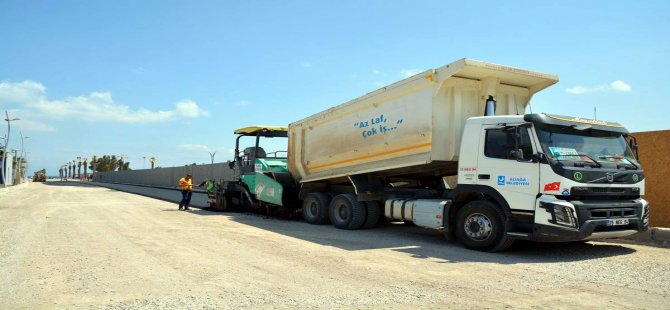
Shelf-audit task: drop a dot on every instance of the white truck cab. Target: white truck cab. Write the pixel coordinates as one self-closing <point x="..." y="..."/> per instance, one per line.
<point x="556" y="178"/>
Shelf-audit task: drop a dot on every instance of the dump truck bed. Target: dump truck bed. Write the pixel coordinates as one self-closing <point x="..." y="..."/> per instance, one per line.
<point x="411" y="126"/>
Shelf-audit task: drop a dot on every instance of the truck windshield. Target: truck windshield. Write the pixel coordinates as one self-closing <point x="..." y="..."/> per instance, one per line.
<point x="594" y="148"/>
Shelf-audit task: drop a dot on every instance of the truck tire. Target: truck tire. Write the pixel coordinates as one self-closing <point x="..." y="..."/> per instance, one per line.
<point x="373" y="214"/>
<point x="315" y="208"/>
<point x="346" y="212"/>
<point x="480" y="225"/>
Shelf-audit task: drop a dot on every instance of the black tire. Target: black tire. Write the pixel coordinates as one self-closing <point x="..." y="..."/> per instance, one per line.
<point x="346" y="212"/>
<point x="315" y="208"/>
<point x="373" y="214"/>
<point x="480" y="225"/>
<point x="221" y="204"/>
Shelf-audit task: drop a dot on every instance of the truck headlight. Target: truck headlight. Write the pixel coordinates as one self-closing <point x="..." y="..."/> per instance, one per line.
<point x="560" y="214"/>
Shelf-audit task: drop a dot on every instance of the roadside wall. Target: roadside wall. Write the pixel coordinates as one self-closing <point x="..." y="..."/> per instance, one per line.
<point x="166" y="177"/>
<point x="654" y="150"/>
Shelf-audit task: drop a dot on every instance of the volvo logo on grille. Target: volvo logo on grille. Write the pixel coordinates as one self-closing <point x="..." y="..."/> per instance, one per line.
<point x="610" y="177"/>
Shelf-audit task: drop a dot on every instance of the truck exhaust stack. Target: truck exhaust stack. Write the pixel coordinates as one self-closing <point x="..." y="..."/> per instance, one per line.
<point x="490" y="108"/>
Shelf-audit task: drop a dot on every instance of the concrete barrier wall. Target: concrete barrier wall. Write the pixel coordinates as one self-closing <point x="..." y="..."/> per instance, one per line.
<point x="165" y="177"/>
<point x="654" y="150"/>
<point x="654" y="155"/>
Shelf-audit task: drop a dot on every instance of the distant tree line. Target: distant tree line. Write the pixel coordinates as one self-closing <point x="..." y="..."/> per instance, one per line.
<point x="109" y="163"/>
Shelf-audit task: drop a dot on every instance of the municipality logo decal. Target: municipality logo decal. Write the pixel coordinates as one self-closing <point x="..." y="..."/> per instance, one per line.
<point x="513" y="181"/>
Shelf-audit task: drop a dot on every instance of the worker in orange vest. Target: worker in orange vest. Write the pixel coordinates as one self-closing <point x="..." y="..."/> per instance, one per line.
<point x="186" y="191"/>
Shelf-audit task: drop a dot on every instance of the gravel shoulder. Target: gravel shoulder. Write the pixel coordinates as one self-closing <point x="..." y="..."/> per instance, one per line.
<point x="67" y="245"/>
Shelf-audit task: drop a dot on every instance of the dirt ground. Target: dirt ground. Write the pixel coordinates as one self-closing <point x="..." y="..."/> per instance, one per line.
<point x="78" y="246"/>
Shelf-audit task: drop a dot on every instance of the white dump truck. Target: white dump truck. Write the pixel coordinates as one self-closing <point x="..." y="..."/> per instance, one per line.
<point x="451" y="149"/>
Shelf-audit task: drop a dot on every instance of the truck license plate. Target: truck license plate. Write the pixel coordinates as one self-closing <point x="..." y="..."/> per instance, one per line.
<point x="617" y="222"/>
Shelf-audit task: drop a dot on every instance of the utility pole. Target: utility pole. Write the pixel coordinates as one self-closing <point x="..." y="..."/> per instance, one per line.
<point x="4" y="153"/>
<point x="16" y="167"/>
<point x="23" y="155"/>
<point x="212" y="156"/>
<point x="79" y="166"/>
<point x="95" y="160"/>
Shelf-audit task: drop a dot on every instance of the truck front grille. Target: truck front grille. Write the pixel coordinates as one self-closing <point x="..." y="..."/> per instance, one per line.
<point x="607" y="189"/>
<point x="602" y="193"/>
<point x="612" y="213"/>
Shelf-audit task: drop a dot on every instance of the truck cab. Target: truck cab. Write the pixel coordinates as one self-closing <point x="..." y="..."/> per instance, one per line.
<point x="556" y="178"/>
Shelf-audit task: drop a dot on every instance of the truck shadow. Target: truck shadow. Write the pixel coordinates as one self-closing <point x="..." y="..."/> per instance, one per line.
<point x="424" y="243"/>
<point x="418" y="242"/>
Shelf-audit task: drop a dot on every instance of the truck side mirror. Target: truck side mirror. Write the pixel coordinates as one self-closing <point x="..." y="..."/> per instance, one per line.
<point x="632" y="143"/>
<point x="539" y="157"/>
<point x="518" y="155"/>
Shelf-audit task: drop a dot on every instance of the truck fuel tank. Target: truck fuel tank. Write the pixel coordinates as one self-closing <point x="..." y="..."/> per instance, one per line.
<point x="427" y="213"/>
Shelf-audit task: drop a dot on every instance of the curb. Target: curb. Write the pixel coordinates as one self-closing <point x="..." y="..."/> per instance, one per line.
<point x="660" y="234"/>
<point x="657" y="234"/>
<point x="128" y="188"/>
<point x="12" y="187"/>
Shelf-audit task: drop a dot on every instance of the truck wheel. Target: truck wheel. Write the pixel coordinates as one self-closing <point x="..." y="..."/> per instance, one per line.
<point x="373" y="214"/>
<point x="346" y="212"/>
<point x="480" y="225"/>
<point x="315" y="208"/>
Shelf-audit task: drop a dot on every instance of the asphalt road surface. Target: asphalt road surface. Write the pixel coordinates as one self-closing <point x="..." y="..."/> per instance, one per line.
<point x="69" y="245"/>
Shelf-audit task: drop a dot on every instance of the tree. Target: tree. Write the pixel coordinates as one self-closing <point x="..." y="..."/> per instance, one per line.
<point x="105" y="163"/>
<point x="109" y="163"/>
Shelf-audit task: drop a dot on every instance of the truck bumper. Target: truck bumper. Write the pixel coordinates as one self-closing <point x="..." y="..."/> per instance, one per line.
<point x="546" y="233"/>
<point x="594" y="221"/>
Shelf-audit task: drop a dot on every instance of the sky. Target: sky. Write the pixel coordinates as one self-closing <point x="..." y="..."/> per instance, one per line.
<point x="174" y="79"/>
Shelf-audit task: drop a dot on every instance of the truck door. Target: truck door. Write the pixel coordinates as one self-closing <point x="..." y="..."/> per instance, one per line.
<point x="505" y="164"/>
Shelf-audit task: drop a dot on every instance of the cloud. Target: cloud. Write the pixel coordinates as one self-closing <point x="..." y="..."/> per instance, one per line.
<point x="409" y="72"/>
<point x="138" y="70"/>
<point x="21" y="92"/>
<point x="31" y="125"/>
<point x="190" y="109"/>
<point x="194" y="147"/>
<point x="97" y="106"/>
<point x="621" y="86"/>
<point x="618" y="86"/>
<point x="243" y="103"/>
<point x="306" y="64"/>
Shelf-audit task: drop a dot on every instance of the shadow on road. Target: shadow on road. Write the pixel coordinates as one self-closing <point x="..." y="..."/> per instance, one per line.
<point x="424" y="243"/>
<point x="418" y="242"/>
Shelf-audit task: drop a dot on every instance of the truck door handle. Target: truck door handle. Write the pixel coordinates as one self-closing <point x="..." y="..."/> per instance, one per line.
<point x="484" y="176"/>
